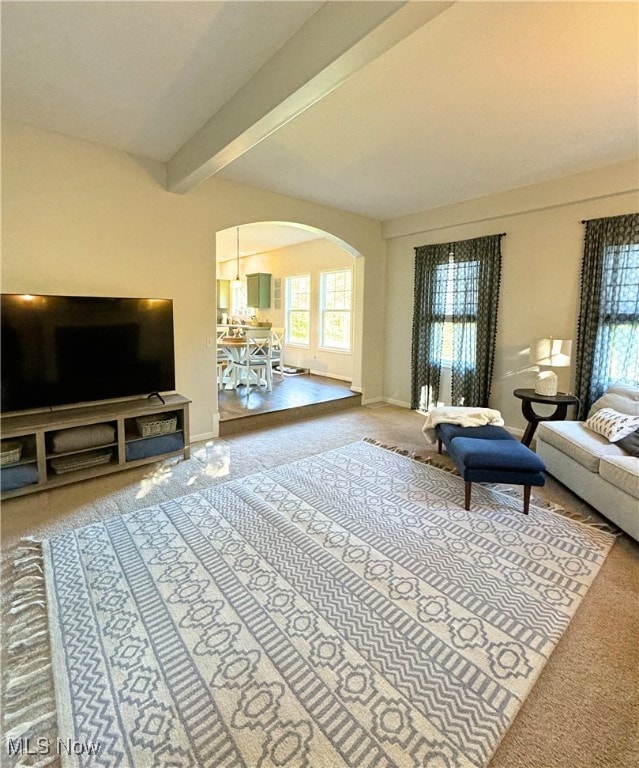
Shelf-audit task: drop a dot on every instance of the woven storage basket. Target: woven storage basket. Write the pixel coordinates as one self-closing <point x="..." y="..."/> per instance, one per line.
<point x="10" y="452"/>
<point x="64" y="464"/>
<point x="154" y="425"/>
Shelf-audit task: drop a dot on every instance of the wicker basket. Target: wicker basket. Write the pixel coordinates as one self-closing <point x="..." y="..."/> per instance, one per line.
<point x="154" y="425"/>
<point x="10" y="452"/>
<point x="63" y="464"/>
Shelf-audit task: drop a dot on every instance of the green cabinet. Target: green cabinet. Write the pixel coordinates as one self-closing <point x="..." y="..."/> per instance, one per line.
<point x="223" y="294"/>
<point x="258" y="290"/>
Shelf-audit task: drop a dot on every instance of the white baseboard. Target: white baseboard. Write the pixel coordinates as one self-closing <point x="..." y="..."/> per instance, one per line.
<point x="329" y="375"/>
<point x="204" y="436"/>
<point x="392" y="401"/>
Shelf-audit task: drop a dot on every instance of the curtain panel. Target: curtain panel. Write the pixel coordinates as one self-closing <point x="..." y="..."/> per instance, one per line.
<point x="456" y="296"/>
<point x="608" y="325"/>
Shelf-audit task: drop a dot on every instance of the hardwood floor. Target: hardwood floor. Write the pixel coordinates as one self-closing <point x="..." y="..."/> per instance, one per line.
<point x="292" y="398"/>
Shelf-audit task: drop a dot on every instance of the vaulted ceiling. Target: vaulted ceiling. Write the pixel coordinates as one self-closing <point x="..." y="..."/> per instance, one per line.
<point x="380" y="108"/>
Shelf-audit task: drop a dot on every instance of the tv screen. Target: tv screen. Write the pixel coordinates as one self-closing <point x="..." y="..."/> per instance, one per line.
<point x="60" y="350"/>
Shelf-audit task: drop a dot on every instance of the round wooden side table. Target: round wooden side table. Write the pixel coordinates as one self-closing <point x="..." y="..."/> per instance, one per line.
<point x="529" y="396"/>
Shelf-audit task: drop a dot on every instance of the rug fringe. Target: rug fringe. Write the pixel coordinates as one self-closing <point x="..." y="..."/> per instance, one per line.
<point x="41" y="763"/>
<point x="400" y="451"/>
<point x="29" y="665"/>
<point x="24" y="621"/>
<point x="551" y="506"/>
<point x="29" y="711"/>
<point x="33" y="678"/>
<point x="579" y="517"/>
<point x="22" y="729"/>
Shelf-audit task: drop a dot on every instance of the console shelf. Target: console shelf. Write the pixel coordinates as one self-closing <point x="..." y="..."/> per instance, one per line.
<point x="35" y="470"/>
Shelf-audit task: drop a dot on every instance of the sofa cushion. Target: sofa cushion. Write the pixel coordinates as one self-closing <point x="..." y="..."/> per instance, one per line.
<point x="447" y="432"/>
<point x="12" y="478"/>
<point x="620" y="398"/>
<point x="627" y="390"/>
<point x="154" y="446"/>
<point x="573" y="439"/>
<point x="630" y="444"/>
<point x="507" y="455"/>
<point x="622" y="472"/>
<point x="80" y="438"/>
<point x="612" y="425"/>
<point x="496" y="461"/>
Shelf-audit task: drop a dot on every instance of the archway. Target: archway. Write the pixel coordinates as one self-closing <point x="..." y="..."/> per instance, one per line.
<point x="280" y="251"/>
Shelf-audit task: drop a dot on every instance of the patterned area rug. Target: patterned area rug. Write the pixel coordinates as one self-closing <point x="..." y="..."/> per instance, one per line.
<point x="342" y="610"/>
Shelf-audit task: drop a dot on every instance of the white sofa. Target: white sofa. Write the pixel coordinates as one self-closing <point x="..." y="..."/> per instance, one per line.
<point x="601" y="473"/>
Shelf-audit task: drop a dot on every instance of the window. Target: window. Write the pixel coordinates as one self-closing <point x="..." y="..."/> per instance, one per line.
<point x="608" y="328"/>
<point x="335" y="309"/>
<point x="619" y="313"/>
<point x="456" y="294"/>
<point x="298" y="310"/>
<point x="238" y="298"/>
<point x="459" y="331"/>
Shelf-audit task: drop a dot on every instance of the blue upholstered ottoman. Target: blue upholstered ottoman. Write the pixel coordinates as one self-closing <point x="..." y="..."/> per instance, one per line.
<point x="494" y="456"/>
<point x="447" y="432"/>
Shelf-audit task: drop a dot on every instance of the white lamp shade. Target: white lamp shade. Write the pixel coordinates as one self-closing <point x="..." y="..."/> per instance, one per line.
<point x="552" y="352"/>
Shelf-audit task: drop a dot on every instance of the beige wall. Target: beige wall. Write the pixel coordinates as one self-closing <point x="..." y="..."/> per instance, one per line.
<point x="86" y="219"/>
<point x="541" y="262"/>
<point x="81" y="218"/>
<point x="309" y="258"/>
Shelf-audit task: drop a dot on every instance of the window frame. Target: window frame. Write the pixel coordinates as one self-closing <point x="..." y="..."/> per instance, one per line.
<point x="448" y="317"/>
<point x="322" y="309"/>
<point x="288" y="310"/>
<point x="239" y="298"/>
<point x="606" y="324"/>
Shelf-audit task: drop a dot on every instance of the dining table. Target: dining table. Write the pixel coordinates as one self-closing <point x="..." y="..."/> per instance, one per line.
<point x="236" y="348"/>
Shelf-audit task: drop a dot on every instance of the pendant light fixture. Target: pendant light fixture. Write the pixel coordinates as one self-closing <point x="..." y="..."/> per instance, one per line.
<point x="237" y="280"/>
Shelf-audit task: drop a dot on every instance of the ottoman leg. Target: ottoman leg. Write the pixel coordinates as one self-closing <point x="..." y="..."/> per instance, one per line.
<point x="439" y="445"/>
<point x="526" y="498"/>
<point x="468" y="487"/>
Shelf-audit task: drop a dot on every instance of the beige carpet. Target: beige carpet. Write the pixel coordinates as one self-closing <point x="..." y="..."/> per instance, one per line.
<point x="583" y="711"/>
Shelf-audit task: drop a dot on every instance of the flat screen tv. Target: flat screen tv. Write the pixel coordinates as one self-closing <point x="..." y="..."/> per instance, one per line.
<point x="62" y="350"/>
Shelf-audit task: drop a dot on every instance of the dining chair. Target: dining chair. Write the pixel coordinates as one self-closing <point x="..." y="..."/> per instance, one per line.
<point x="256" y="361"/>
<point x="224" y="359"/>
<point x="277" y="349"/>
<point x="221" y="367"/>
<point x="224" y="362"/>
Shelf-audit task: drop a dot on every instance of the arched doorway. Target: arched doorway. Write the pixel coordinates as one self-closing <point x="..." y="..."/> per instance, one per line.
<point x="314" y="282"/>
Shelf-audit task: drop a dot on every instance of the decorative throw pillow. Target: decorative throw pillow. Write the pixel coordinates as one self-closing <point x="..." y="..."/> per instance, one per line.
<point x="630" y="443"/>
<point x="612" y="425"/>
<point x="79" y="438"/>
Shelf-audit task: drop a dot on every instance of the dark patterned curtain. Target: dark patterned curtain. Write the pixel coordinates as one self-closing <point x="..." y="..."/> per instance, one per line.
<point x="455" y="320"/>
<point x="608" y="330"/>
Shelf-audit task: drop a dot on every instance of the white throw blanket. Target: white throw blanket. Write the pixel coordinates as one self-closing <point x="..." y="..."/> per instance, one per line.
<point x="465" y="417"/>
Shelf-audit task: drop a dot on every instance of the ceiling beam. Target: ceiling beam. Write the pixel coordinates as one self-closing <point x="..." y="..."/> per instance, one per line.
<point x="337" y="41"/>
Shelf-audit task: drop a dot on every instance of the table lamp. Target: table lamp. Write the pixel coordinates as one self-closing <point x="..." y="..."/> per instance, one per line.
<point x="553" y="353"/>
